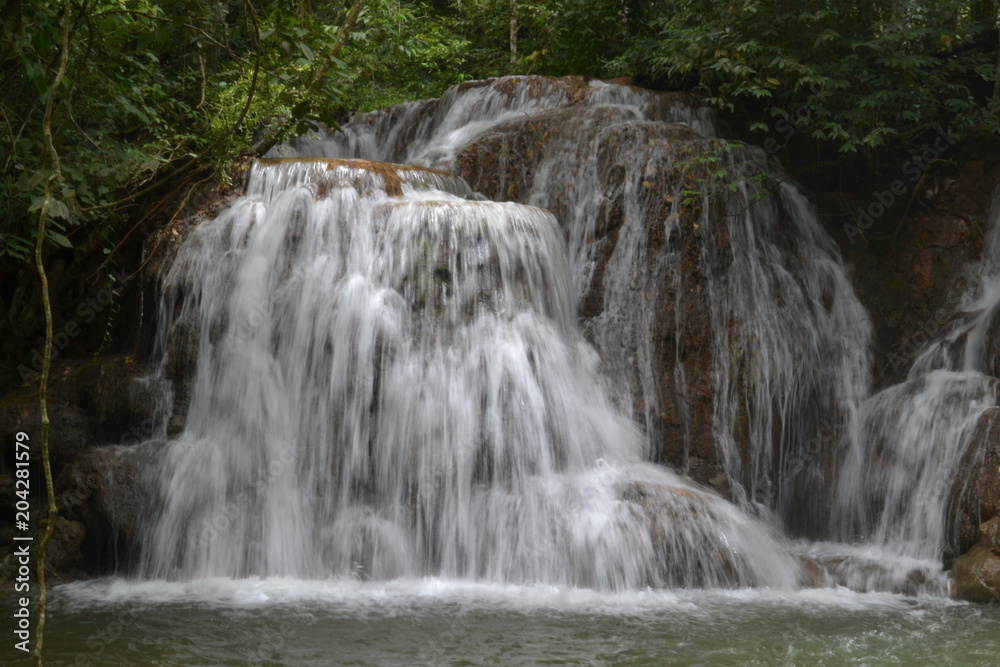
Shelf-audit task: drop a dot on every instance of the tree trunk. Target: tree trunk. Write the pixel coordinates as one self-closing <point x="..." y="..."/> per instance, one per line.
<point x="513" y="31"/>
<point x="996" y="74"/>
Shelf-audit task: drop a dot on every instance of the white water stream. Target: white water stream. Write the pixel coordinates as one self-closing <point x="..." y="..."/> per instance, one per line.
<point x="390" y="382"/>
<point x="390" y="379"/>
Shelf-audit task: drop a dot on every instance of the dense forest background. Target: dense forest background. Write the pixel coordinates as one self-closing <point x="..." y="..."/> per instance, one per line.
<point x="109" y="106"/>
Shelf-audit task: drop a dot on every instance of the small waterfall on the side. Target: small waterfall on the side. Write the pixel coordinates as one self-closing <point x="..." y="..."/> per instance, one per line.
<point x="895" y="491"/>
<point x="389" y="381"/>
<point x="902" y="463"/>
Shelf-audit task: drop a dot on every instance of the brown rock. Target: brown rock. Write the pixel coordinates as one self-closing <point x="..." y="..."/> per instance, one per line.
<point x="65" y="549"/>
<point x="977" y="501"/>
<point x="977" y="576"/>
<point x="502" y="165"/>
<point x="989" y="535"/>
<point x="940" y="230"/>
<point x="93" y="402"/>
<point x="105" y="489"/>
<point x="991" y="350"/>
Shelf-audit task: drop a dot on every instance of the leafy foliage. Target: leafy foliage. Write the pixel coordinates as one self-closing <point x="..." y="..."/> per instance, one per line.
<point x="403" y="51"/>
<point x="861" y="75"/>
<point x="603" y="37"/>
<point x="153" y="87"/>
<point x="157" y="87"/>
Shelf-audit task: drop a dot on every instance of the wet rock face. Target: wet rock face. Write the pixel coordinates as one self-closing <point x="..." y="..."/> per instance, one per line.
<point x="663" y="265"/>
<point x="91" y="404"/>
<point x="100" y="496"/>
<point x="977" y="501"/>
<point x="868" y="575"/>
<point x="977" y="576"/>
<point x="976" y="512"/>
<point x="109" y="400"/>
<point x="63" y="556"/>
<point x="977" y="573"/>
<point x="991" y="350"/>
<point x="503" y="164"/>
<point x="65" y="551"/>
<point x="104" y="492"/>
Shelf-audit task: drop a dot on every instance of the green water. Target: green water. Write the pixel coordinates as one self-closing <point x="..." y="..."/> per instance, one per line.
<point x="287" y="622"/>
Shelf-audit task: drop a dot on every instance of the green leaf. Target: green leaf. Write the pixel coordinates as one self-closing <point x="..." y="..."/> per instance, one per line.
<point x="58" y="209"/>
<point x="60" y="239"/>
<point x="131" y="108"/>
<point x="306" y="51"/>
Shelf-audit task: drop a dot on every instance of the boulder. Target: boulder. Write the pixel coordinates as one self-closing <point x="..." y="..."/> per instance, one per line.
<point x="977" y="576"/>
<point x="702" y="540"/>
<point x="64" y="555"/>
<point x="105" y="490"/>
<point x="108" y="400"/>
<point x="976" y="573"/>
<point x="977" y="497"/>
<point x="866" y="573"/>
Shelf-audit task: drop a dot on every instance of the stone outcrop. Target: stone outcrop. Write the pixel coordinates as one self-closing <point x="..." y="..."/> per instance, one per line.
<point x="976" y="516"/>
<point x="977" y="572"/>
<point x="102" y="401"/>
<point x="659" y="212"/>
<point x="105" y="490"/>
<point x="977" y="499"/>
<point x="502" y="164"/>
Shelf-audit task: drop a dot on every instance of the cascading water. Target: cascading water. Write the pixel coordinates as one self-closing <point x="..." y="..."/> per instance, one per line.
<point x="389" y="381"/>
<point x="901" y="466"/>
<point x="789" y="341"/>
<point x="389" y="378"/>
<point x="395" y="401"/>
<point x="914" y="438"/>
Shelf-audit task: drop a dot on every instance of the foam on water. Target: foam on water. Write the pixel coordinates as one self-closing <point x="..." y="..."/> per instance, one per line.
<point x="407" y="595"/>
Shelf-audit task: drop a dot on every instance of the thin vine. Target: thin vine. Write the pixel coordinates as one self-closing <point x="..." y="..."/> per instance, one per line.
<point x="43" y="384"/>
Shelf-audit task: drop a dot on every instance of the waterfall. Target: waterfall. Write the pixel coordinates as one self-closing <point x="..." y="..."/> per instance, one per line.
<point x="771" y="330"/>
<point x="388" y="380"/>
<point x="902" y="463"/>
<point x="895" y="489"/>
<point x="450" y="339"/>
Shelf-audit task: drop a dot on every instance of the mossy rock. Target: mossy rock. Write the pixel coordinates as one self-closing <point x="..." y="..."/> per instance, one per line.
<point x="977" y="576"/>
